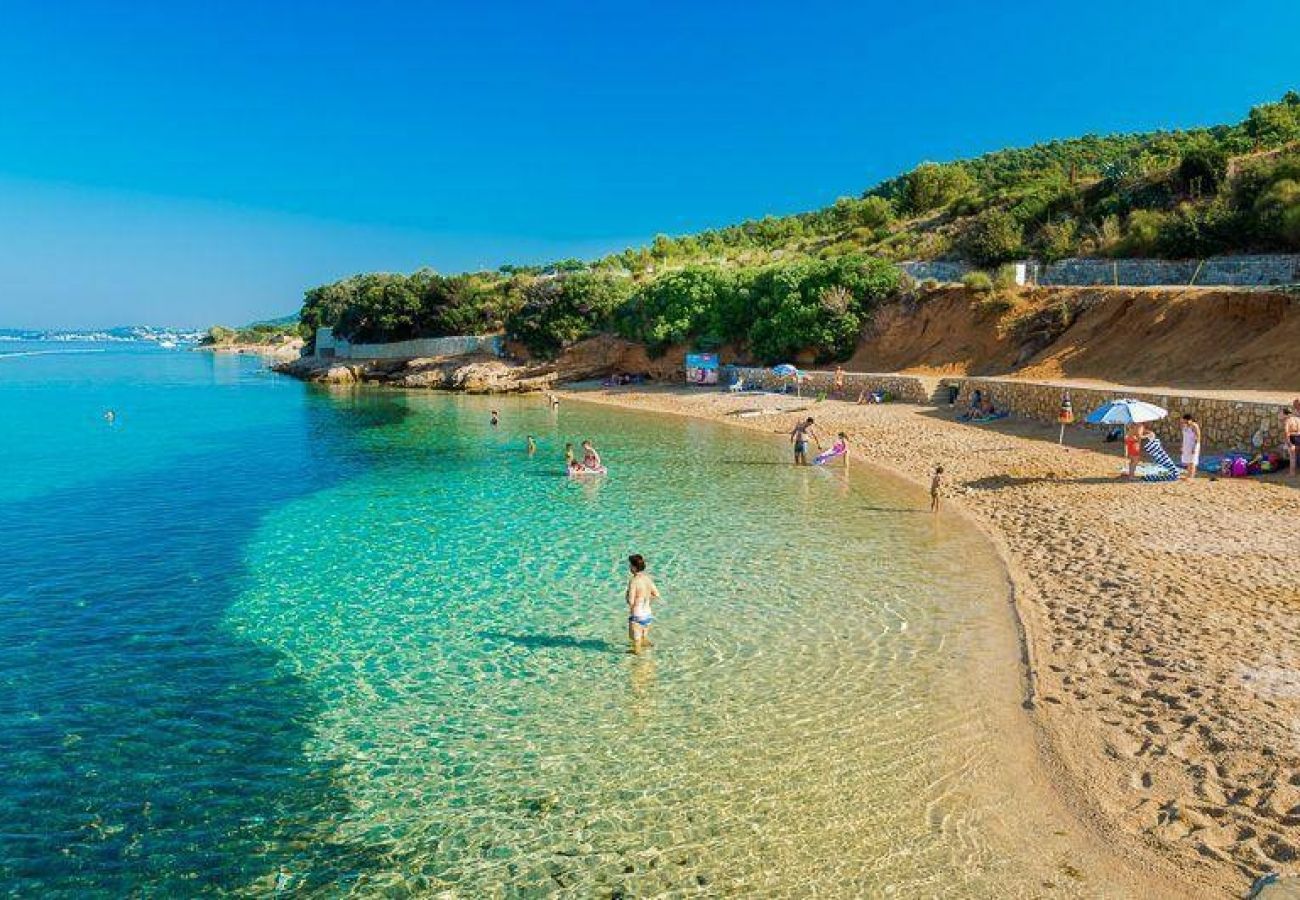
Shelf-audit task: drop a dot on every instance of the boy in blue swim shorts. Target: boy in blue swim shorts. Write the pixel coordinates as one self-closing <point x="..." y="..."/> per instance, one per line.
<point x="640" y="591"/>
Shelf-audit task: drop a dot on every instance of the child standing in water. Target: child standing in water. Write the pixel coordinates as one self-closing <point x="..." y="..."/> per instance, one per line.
<point x="568" y="456"/>
<point x="936" y="488"/>
<point x="640" y="591"/>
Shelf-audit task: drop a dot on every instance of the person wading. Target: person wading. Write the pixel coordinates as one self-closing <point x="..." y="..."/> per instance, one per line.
<point x="799" y="437"/>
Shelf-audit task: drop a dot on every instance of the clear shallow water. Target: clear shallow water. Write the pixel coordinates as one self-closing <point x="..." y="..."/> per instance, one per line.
<point x="263" y="638"/>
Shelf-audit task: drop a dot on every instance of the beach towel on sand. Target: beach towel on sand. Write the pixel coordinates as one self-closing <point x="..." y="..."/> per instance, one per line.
<point x="1156" y="450"/>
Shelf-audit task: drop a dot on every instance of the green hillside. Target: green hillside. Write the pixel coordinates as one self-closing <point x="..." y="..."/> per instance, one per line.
<point x="808" y="282"/>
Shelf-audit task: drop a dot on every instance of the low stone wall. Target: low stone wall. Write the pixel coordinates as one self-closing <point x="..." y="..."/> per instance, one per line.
<point x="901" y="388"/>
<point x="330" y="347"/>
<point x="1257" y="270"/>
<point x="938" y="269"/>
<point x="1225" y="424"/>
<point x="428" y="347"/>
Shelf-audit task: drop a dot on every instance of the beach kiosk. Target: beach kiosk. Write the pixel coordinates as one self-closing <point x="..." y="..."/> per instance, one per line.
<point x="701" y="368"/>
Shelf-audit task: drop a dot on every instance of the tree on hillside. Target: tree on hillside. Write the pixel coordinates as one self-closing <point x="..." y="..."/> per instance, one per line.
<point x="993" y="237"/>
<point x="933" y="185"/>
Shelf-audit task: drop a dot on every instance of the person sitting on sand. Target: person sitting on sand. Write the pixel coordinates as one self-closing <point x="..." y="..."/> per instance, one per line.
<point x="936" y="488"/>
<point x="590" y="458"/>
<point x="641" y="590"/>
<point x="799" y="437"/>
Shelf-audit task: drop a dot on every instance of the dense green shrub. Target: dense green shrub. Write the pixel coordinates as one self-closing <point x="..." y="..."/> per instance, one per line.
<point x="993" y="237"/>
<point x="1142" y="233"/>
<point x="557" y="311"/>
<point x="1277" y="212"/>
<point x="933" y="185"/>
<point x="681" y="305"/>
<point x="979" y="282"/>
<point x="815" y="306"/>
<point x="1056" y="240"/>
<point x="1203" y="169"/>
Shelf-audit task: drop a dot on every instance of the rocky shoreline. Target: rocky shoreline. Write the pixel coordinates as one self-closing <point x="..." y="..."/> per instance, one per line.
<point x="483" y="373"/>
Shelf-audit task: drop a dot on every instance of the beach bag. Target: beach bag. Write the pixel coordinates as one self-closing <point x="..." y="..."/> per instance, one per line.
<point x="1238" y="468"/>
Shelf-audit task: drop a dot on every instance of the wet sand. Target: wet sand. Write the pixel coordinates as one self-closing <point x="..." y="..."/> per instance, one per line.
<point x="1162" y="674"/>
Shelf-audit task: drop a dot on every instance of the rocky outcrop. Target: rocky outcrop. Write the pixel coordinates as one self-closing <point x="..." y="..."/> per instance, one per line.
<point x="481" y="373"/>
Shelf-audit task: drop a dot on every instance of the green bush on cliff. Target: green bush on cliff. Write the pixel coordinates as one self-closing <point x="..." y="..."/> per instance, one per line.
<point x="557" y="311"/>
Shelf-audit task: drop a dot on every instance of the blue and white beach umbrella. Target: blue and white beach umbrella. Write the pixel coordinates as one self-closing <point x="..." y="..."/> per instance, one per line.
<point x="1126" y="412"/>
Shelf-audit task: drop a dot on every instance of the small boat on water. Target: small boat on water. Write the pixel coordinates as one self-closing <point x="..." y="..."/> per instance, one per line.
<point x="167" y="345"/>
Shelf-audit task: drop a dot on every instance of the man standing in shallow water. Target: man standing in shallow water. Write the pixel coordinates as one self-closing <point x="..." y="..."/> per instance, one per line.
<point x="640" y="591"/>
<point x="799" y="437"/>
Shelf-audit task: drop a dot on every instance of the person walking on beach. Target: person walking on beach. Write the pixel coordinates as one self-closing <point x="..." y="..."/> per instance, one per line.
<point x="936" y="488"/>
<point x="641" y="590"/>
<point x="1191" y="453"/>
<point x="838" y="388"/>
<point x="1291" y="436"/>
<point x="799" y="437"/>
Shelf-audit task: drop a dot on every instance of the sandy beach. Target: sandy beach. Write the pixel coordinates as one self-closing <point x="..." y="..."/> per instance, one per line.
<point x="1162" y="673"/>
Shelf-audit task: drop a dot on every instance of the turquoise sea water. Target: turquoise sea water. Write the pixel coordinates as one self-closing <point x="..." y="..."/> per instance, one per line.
<point x="261" y="638"/>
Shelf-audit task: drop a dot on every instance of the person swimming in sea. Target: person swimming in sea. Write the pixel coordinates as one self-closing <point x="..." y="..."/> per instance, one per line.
<point x="109" y="415"/>
<point x="590" y="458"/>
<point x="641" y="590"/>
<point x="495" y="418"/>
<point x="532" y="445"/>
<point x="568" y="456"/>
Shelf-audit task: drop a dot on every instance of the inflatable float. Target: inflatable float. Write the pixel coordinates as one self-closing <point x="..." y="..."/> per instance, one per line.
<point x="583" y="471"/>
<point x="826" y="456"/>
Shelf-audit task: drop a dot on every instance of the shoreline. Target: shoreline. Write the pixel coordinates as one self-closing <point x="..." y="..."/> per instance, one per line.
<point x="1174" y="810"/>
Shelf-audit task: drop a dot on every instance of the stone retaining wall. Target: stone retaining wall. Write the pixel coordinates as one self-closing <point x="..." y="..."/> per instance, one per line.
<point x="1261" y="270"/>
<point x="330" y="347"/>
<point x="901" y="388"/>
<point x="938" y="269"/>
<point x="1225" y="424"/>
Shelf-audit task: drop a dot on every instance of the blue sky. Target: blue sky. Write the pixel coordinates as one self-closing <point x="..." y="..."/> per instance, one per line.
<point x="191" y="162"/>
